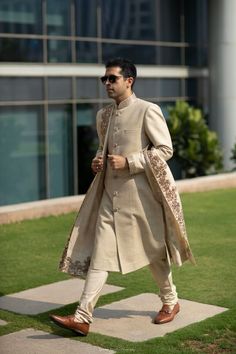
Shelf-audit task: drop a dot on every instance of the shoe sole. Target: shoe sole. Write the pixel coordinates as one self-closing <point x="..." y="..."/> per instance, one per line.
<point x="80" y="333"/>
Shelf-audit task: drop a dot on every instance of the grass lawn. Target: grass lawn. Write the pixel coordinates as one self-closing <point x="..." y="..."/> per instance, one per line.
<point x="30" y="252"/>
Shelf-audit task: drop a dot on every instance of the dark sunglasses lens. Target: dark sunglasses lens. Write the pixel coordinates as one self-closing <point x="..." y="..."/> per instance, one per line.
<point x="110" y="78"/>
<point x="104" y="79"/>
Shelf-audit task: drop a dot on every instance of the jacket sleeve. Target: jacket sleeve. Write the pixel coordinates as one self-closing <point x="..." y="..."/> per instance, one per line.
<point x="157" y="131"/>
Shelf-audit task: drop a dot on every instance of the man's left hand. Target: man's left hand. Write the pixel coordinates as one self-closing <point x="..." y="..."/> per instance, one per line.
<point x="118" y="162"/>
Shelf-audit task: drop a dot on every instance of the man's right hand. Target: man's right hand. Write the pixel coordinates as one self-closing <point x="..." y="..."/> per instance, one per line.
<point x="97" y="164"/>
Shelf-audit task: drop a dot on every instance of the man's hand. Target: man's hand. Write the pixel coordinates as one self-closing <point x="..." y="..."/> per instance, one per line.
<point x="117" y="162"/>
<point x="97" y="164"/>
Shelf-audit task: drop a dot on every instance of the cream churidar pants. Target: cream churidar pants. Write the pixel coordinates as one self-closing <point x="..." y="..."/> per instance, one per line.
<point x="96" y="279"/>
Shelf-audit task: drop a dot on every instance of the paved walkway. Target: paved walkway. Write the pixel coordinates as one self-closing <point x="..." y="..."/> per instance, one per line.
<point x="129" y="319"/>
<point x="48" y="297"/>
<point x="30" y="341"/>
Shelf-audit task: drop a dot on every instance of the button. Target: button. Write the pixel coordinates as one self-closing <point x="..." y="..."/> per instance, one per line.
<point x="116" y="209"/>
<point x="115" y="193"/>
<point x="115" y="145"/>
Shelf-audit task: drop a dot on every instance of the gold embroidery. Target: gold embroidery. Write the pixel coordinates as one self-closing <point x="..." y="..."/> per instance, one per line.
<point x="166" y="184"/>
<point x="106" y="113"/>
<point x="75" y="268"/>
<point x="160" y="171"/>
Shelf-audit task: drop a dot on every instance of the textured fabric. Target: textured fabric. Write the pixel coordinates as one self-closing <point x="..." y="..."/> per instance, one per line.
<point x="137" y="130"/>
<point x="94" y="283"/>
<point x="161" y="273"/>
<point x="130" y="232"/>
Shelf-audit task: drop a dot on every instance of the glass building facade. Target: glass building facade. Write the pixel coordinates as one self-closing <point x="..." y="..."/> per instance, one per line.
<point x="47" y="118"/>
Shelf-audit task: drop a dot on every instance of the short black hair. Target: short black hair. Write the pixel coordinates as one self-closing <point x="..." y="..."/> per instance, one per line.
<point x="128" y="69"/>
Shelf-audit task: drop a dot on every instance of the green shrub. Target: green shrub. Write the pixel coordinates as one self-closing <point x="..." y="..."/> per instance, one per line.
<point x="196" y="148"/>
<point x="233" y="155"/>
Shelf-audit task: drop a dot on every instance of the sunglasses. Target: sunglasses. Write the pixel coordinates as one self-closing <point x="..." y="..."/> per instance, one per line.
<point x="111" y="78"/>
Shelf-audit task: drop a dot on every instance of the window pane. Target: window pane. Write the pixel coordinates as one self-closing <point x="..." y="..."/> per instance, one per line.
<point x="149" y="20"/>
<point x="59" y="51"/>
<point x="155" y="88"/>
<point x="23" y="16"/>
<point x="58" y="17"/>
<point x="21" y="89"/>
<point x="86" y="18"/>
<point x="196" y="21"/>
<point x="198" y="91"/>
<point x="196" y="56"/>
<point x="15" y="49"/>
<point x="86" y="52"/>
<point x="22" y="155"/>
<point x="143" y="54"/>
<point x="87" y="88"/>
<point x="60" y="151"/>
<point x="87" y="143"/>
<point x="59" y="88"/>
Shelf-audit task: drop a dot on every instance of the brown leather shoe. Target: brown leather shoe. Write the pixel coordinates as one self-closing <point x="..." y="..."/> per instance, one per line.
<point x="69" y="322"/>
<point x="166" y="315"/>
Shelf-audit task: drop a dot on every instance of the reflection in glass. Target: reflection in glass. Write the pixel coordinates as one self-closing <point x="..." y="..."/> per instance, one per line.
<point x="143" y="54"/>
<point x="23" y="16"/>
<point x="155" y="88"/>
<point x="196" y="21"/>
<point x="196" y="56"/>
<point x="16" y="49"/>
<point x="22" y="155"/>
<point x="146" y="20"/>
<point x="59" y="88"/>
<point x="60" y="151"/>
<point x="197" y="89"/>
<point x="58" y="17"/>
<point x="87" y="143"/>
<point x="86" y="18"/>
<point x="87" y="87"/>
<point x="86" y="52"/>
<point x="21" y="89"/>
<point x="59" y="51"/>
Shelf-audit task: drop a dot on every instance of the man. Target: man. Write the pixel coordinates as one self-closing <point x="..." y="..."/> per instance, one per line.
<point x="131" y="216"/>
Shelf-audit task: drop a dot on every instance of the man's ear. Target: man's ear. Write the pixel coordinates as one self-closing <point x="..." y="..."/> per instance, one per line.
<point x="130" y="81"/>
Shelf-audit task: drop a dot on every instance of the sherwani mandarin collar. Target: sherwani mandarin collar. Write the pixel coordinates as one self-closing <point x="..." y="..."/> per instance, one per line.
<point x="125" y="103"/>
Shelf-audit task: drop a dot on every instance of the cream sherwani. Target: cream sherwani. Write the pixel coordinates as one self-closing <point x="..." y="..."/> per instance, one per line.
<point x="133" y="217"/>
<point x="130" y="230"/>
<point x="129" y="218"/>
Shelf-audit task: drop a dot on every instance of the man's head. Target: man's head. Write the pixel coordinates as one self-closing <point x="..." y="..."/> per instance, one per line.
<point x="119" y="78"/>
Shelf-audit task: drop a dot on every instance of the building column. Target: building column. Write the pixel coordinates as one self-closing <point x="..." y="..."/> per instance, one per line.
<point x="222" y="70"/>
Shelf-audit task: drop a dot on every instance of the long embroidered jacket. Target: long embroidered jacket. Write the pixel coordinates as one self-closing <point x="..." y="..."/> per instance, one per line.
<point x="144" y="123"/>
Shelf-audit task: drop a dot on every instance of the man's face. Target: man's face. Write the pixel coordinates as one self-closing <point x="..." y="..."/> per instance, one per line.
<point x="120" y="89"/>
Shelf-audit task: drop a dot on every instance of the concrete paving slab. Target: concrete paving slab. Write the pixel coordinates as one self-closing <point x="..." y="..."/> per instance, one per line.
<point x="48" y="297"/>
<point x="131" y="319"/>
<point x="30" y="341"/>
<point x="2" y="323"/>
